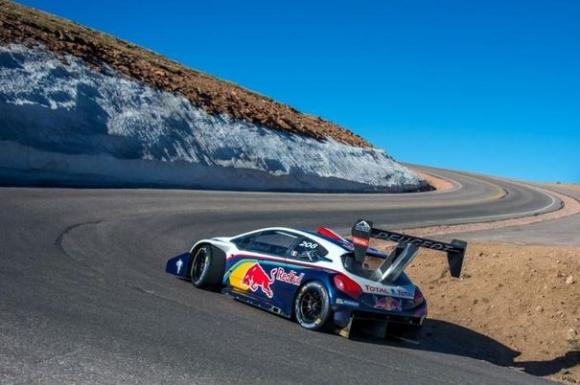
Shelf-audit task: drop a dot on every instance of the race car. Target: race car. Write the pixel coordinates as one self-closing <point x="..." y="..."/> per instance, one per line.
<point x="319" y="278"/>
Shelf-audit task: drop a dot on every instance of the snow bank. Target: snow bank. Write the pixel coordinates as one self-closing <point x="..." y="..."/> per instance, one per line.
<point x="64" y="122"/>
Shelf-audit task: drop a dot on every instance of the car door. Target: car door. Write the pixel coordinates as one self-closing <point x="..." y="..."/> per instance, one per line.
<point x="261" y="258"/>
<point x="301" y="264"/>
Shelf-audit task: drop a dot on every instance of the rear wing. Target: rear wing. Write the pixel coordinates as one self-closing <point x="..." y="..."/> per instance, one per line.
<point x="404" y="253"/>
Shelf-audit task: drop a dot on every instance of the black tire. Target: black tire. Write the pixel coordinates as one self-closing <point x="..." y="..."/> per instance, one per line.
<point x="312" y="306"/>
<point x="207" y="267"/>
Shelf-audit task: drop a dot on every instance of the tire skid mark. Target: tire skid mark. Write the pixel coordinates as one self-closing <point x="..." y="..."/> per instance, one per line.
<point x="60" y="238"/>
<point x="88" y="269"/>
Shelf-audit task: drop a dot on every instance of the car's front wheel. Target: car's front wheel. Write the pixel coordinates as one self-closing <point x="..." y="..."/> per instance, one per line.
<point x="206" y="269"/>
<point x="312" y="306"/>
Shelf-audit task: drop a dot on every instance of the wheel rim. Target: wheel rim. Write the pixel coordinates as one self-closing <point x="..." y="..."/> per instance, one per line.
<point x="199" y="265"/>
<point x="310" y="306"/>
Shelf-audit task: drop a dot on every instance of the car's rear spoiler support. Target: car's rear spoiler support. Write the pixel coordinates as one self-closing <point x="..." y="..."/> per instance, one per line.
<point x="407" y="246"/>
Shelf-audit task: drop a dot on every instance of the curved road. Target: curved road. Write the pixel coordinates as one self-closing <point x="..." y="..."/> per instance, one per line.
<point x="84" y="298"/>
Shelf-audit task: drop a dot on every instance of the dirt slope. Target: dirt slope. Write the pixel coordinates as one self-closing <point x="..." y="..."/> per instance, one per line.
<point x="515" y="305"/>
<point x="19" y="24"/>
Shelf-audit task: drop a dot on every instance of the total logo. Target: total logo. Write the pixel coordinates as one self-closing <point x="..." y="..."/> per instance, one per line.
<point x="398" y="291"/>
<point x="377" y="290"/>
<point x="256" y="278"/>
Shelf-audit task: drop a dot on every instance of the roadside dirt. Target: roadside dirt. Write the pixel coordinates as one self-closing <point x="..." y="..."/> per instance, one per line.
<point x="437" y="183"/>
<point x="573" y="187"/>
<point x="515" y="306"/>
<point x="19" y="24"/>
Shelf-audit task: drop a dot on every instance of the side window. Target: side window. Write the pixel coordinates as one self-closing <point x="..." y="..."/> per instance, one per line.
<point x="243" y="243"/>
<point x="308" y="250"/>
<point x="273" y="242"/>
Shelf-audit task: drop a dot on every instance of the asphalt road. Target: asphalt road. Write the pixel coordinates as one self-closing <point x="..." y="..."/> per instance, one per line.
<point x="84" y="298"/>
<point x="565" y="231"/>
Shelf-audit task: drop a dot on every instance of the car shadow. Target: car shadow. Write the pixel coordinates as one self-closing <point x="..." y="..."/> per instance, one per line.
<point x="445" y="337"/>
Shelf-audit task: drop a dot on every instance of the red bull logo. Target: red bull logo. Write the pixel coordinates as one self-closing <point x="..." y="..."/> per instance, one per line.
<point x="256" y="278"/>
<point x="281" y="275"/>
<point x="388" y="303"/>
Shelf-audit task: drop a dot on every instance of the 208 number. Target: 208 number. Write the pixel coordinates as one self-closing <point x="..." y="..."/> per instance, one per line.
<point x="308" y="245"/>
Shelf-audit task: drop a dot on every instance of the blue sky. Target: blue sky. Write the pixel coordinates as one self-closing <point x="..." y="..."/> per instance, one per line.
<point x="484" y="86"/>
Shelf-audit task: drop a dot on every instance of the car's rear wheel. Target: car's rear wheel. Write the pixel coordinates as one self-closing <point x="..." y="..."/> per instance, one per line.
<point x="312" y="306"/>
<point x="206" y="269"/>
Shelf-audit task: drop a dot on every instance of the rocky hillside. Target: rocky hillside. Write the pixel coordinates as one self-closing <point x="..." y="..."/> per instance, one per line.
<point x="19" y="24"/>
<point x="82" y="108"/>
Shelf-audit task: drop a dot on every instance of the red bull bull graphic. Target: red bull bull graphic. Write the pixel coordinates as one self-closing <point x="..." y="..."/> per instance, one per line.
<point x="388" y="303"/>
<point x="256" y="278"/>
